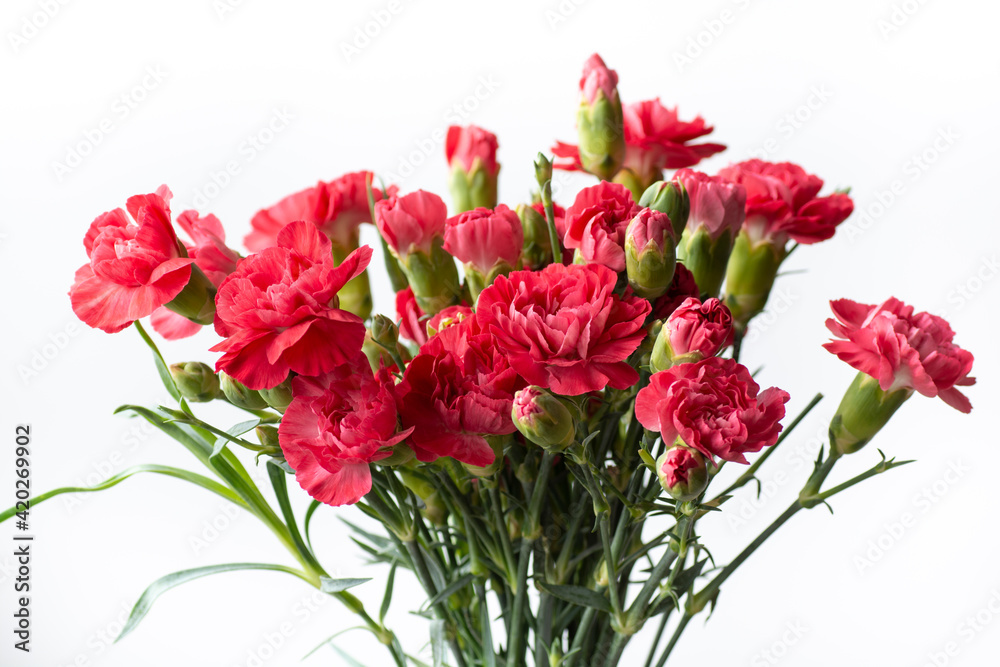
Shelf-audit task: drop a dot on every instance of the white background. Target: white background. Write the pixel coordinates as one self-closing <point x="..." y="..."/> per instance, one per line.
<point x="873" y="104"/>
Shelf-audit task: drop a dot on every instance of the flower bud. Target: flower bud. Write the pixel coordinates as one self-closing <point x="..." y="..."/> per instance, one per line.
<point x="197" y="300"/>
<point x="683" y="473"/>
<point x="279" y="397"/>
<point x="599" y="121"/>
<point x="543" y="419"/>
<point x="384" y="331"/>
<point x="413" y="228"/>
<point x="670" y="197"/>
<point x="488" y="243"/>
<point x="694" y="331"/>
<point x="472" y="158"/>
<point x="239" y="395"/>
<point x="750" y="275"/>
<point x="717" y="212"/>
<point x="649" y="253"/>
<point x="379" y="356"/>
<point x="195" y="381"/>
<point x="267" y="436"/>
<point x="536" y="252"/>
<point x="543" y="169"/>
<point x="863" y="411"/>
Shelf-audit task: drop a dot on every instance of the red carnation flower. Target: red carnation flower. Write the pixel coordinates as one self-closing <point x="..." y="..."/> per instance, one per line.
<point x="596" y="223"/>
<point x="336" y="207"/>
<point x="336" y="425"/>
<point x="782" y="202"/>
<point x="457" y="390"/>
<point x="135" y="264"/>
<point x="656" y="138"/>
<point x="713" y="406"/>
<point x="564" y="328"/>
<point x="279" y="310"/>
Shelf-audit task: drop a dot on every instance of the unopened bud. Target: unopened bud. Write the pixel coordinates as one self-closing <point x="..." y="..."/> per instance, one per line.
<point x="239" y="394"/>
<point x="385" y="332"/>
<point x="649" y="253"/>
<point x="279" y="397"/>
<point x="543" y="419"/>
<point x="195" y="381"/>
<point x="600" y="121"/>
<point x="683" y="473"/>
<point x="669" y="197"/>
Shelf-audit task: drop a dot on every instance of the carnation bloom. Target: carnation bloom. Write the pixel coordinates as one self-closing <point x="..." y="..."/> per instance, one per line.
<point x="336" y="207"/>
<point x="596" y="223"/>
<point x="782" y="202"/>
<point x="564" y="328"/>
<point x="278" y="312"/>
<point x="136" y="264"/>
<point x="656" y="138"/>
<point x="901" y="349"/>
<point x="416" y="325"/>
<point x="702" y="327"/>
<point x="336" y="425"/>
<point x="713" y="406"/>
<point x="457" y="390"/>
<point x="482" y="238"/>
<point x="210" y="254"/>
<point x="716" y="204"/>
<point x="412" y="222"/>
<point x="463" y="146"/>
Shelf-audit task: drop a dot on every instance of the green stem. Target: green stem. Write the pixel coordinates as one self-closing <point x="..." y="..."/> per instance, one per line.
<point x="518" y="626"/>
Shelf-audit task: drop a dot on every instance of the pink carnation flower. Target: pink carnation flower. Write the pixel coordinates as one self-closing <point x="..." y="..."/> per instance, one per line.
<point x="902" y="349"/>
<point x="714" y="406"/>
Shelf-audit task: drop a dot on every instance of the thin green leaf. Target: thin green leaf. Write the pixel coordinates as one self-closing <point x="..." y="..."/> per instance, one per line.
<point x="387" y="598"/>
<point x="449" y="590"/>
<point x="330" y="585"/>
<point x="437" y="641"/>
<point x="161" y="365"/>
<point x="313" y="506"/>
<point x="578" y="595"/>
<point x="164" y="584"/>
<point x="237" y="430"/>
<point x="186" y="475"/>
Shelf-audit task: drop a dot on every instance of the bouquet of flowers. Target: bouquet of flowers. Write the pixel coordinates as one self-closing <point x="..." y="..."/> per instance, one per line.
<point x="536" y="435"/>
